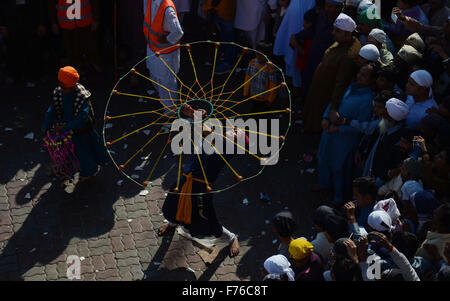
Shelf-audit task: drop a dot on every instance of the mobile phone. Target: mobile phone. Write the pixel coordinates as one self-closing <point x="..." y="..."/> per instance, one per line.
<point x="394" y="18"/>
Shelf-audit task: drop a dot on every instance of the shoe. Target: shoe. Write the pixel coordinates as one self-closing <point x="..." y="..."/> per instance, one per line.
<point x="223" y="68"/>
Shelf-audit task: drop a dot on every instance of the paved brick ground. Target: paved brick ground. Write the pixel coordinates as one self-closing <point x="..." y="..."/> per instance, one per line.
<point x="112" y="228"/>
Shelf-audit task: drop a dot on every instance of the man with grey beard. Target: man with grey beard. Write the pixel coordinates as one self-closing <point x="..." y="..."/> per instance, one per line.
<point x="385" y="154"/>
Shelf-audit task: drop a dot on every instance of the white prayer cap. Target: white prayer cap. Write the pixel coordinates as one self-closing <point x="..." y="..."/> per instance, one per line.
<point x="397" y="109"/>
<point x="279" y="265"/>
<point x="378" y="35"/>
<point x="363" y="5"/>
<point x="424" y="79"/>
<point x="380" y="221"/>
<point x="390" y="207"/>
<point x="345" y="23"/>
<point x="415" y="40"/>
<point x="352" y="2"/>
<point x="370" y="52"/>
<point x="409" y="54"/>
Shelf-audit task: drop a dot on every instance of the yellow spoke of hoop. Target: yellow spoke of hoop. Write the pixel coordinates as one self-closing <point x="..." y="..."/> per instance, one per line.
<point x="226" y="162"/>
<point x="179" y="172"/>
<point x="147" y="97"/>
<point x="224" y="136"/>
<point x="261" y="113"/>
<point x="133" y="132"/>
<point x="245" y="83"/>
<point x="254" y="96"/>
<point x="159" y="158"/>
<point x="231" y="73"/>
<point x="195" y="72"/>
<point x="213" y="69"/>
<point x="253" y="132"/>
<point x="156" y="83"/>
<point x="201" y="165"/>
<point x="148" y="142"/>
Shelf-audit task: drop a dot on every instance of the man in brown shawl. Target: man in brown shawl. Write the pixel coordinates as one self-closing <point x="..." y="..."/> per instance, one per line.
<point x="334" y="73"/>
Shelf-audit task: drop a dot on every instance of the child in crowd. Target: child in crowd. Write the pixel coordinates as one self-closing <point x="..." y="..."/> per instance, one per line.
<point x="284" y="226"/>
<point x="261" y="76"/>
<point x="307" y="264"/>
<point x="278" y="268"/>
<point x="303" y="40"/>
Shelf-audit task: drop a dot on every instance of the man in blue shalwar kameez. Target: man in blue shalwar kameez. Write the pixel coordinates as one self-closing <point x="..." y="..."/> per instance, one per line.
<point x="71" y="107"/>
<point x="338" y="144"/>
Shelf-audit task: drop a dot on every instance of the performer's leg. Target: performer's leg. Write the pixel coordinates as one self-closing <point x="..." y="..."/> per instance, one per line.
<point x="232" y="240"/>
<point x="166" y="228"/>
<point x="169" y="211"/>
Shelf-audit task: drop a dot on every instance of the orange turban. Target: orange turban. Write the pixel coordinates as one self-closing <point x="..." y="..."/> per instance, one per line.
<point x="68" y="76"/>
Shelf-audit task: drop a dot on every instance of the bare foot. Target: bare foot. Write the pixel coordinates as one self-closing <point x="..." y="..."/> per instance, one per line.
<point x="165" y="228"/>
<point x="234" y="248"/>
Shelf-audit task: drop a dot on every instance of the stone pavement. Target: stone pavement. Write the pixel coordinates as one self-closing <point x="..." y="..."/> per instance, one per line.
<point x="111" y="228"/>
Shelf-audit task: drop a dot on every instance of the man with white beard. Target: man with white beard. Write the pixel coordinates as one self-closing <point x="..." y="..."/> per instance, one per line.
<point x="385" y="154"/>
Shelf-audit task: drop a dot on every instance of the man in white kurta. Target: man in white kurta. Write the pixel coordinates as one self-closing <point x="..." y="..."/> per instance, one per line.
<point x="249" y="18"/>
<point x="158" y="70"/>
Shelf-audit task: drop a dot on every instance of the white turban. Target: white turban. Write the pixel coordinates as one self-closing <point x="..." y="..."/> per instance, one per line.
<point x="363" y="5"/>
<point x="352" y="2"/>
<point x="279" y="265"/>
<point x="378" y="35"/>
<point x="370" y="52"/>
<point x="345" y="23"/>
<point x="390" y="207"/>
<point x="397" y="109"/>
<point x="380" y="221"/>
<point x="424" y="79"/>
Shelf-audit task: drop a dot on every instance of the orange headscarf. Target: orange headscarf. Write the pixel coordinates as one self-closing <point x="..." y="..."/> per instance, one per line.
<point x="68" y="76"/>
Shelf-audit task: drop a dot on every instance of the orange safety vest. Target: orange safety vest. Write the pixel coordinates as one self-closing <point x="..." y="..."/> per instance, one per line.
<point x="154" y="32"/>
<point x="85" y="19"/>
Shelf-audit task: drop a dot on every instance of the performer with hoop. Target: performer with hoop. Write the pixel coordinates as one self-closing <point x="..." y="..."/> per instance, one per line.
<point x="71" y="112"/>
<point x="193" y="208"/>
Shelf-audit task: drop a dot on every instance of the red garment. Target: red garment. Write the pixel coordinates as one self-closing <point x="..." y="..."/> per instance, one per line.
<point x="154" y="32"/>
<point x="303" y="59"/>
